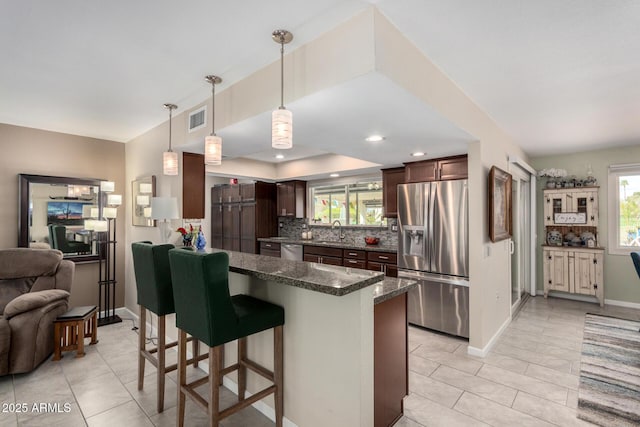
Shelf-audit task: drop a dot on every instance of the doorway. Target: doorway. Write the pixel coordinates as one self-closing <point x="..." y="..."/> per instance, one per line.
<point x="521" y="259"/>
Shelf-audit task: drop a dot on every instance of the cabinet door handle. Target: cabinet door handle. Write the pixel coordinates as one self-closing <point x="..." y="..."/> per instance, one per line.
<point x="267" y="245"/>
<point x="352" y="261"/>
<point x="353" y="254"/>
<point x="383" y="257"/>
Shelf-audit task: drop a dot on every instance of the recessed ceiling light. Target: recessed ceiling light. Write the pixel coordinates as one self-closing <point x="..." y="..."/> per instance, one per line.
<point x="279" y="156"/>
<point x="374" y="138"/>
<point x="417" y="154"/>
<point x="334" y="175"/>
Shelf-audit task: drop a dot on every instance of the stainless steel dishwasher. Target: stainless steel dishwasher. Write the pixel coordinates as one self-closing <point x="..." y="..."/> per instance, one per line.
<point x="291" y="251"/>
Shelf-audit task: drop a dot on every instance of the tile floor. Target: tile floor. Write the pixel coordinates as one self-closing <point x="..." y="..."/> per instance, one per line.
<point x="529" y="378"/>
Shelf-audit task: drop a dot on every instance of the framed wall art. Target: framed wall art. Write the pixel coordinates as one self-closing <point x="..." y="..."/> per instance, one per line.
<point x="500" y="208"/>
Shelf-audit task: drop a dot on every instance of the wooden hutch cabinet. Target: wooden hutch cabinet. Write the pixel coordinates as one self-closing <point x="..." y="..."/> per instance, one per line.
<point x="573" y="269"/>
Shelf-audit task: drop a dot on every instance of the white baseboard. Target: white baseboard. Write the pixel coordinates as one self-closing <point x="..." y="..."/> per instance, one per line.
<point x="622" y="303"/>
<point x="574" y="297"/>
<point x="482" y="352"/>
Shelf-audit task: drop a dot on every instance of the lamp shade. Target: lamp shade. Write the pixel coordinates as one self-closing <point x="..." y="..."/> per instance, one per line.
<point x="212" y="150"/>
<point x="114" y="199"/>
<point x="110" y="212"/>
<point x="90" y="224"/>
<point x="95" y="212"/>
<point x="101" y="225"/>
<point x="281" y="129"/>
<point x="170" y="163"/>
<point x="145" y="188"/>
<point x="147" y="212"/>
<point x="142" y="200"/>
<point x="164" y="208"/>
<point x="87" y="209"/>
<point x="107" y="186"/>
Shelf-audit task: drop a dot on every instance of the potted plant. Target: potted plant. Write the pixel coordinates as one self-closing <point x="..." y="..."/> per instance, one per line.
<point x="553" y="176"/>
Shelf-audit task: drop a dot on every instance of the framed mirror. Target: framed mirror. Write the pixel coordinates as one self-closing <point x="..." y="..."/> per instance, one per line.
<point x="143" y="189"/>
<point x="52" y="212"/>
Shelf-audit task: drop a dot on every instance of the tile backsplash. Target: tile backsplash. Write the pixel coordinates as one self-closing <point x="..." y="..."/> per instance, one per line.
<point x="293" y="228"/>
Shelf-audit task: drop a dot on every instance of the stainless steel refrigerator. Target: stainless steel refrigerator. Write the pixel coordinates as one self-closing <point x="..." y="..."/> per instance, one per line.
<point x="433" y="248"/>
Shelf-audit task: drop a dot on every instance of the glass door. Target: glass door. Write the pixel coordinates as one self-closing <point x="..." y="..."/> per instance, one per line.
<point x="521" y="239"/>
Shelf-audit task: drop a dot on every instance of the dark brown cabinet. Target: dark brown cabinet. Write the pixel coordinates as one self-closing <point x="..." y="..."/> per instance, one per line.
<point x="390" y="360"/>
<point x="323" y="255"/>
<point x="443" y="169"/>
<point x="390" y="179"/>
<point x="240" y="214"/>
<point x="386" y="262"/>
<point x="270" y="249"/>
<point x="292" y="199"/>
<point x="192" y="186"/>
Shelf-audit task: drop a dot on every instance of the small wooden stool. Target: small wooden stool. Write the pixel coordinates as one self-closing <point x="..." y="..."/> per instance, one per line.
<point x="72" y="327"/>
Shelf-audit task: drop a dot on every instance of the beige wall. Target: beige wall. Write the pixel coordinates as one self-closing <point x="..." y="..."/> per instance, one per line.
<point x="39" y="152"/>
<point x="620" y="279"/>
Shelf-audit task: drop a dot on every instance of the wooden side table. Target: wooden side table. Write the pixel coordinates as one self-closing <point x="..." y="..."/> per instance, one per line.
<point x="72" y="327"/>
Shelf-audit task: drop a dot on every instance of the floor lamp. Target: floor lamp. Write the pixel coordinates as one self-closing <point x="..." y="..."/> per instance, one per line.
<point x="164" y="209"/>
<point x="107" y="243"/>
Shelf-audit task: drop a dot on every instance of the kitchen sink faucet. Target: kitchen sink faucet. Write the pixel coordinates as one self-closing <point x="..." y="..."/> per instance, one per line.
<point x="333" y="225"/>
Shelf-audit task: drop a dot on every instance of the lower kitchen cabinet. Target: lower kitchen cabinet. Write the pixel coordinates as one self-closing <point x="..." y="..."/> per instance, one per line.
<point x="386" y="262"/>
<point x="270" y="249"/>
<point x="323" y="255"/>
<point x="390" y="360"/>
<point x="574" y="270"/>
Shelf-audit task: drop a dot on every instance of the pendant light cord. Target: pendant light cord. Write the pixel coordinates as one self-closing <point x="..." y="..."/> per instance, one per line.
<point x="281" y="72"/>
<point x="170" y="113"/>
<point x="213" y="109"/>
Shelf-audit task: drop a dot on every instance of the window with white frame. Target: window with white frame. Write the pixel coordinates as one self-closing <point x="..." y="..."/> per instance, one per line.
<point x="624" y="208"/>
<point x="351" y="202"/>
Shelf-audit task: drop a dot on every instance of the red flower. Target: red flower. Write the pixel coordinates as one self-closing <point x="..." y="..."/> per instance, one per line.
<point x="182" y="231"/>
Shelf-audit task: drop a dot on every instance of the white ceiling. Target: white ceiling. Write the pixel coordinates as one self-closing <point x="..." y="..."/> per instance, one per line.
<point x="557" y="75"/>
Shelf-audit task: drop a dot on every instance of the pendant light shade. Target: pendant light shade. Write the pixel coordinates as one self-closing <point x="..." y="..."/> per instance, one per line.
<point x="281" y="119"/>
<point x="213" y="150"/>
<point x="281" y="129"/>
<point x="213" y="143"/>
<point x="170" y="158"/>
<point x="170" y="163"/>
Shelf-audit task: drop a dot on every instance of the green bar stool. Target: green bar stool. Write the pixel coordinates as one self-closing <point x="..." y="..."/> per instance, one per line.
<point x="206" y="310"/>
<point x="153" y="282"/>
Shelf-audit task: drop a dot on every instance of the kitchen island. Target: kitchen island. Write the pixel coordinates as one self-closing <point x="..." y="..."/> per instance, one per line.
<point x="328" y="336"/>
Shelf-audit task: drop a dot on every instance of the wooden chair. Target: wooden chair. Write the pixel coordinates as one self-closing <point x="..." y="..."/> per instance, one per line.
<point x="153" y="283"/>
<point x="205" y="310"/>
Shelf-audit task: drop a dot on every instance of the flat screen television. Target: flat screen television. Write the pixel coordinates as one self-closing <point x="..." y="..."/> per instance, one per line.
<point x="65" y="213"/>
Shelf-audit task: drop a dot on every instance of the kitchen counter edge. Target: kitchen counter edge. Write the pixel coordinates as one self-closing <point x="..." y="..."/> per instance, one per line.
<point x="342" y="245"/>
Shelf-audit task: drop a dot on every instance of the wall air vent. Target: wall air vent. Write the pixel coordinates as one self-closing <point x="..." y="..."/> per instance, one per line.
<point x="198" y="119"/>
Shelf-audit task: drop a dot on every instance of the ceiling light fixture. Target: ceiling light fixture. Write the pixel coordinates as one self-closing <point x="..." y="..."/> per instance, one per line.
<point x="417" y="154"/>
<point x="170" y="158"/>
<point x="334" y="175"/>
<point x="281" y="119"/>
<point x="374" y="138"/>
<point x="213" y="143"/>
<point x="279" y="156"/>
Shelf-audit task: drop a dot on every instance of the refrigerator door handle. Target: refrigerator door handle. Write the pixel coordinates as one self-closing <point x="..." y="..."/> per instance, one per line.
<point x="433" y="194"/>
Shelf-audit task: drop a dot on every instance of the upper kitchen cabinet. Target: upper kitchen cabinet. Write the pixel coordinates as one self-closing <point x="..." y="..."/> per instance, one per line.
<point x="192" y="185"/>
<point x="292" y="199"/>
<point x="443" y="169"/>
<point x="390" y="179"/>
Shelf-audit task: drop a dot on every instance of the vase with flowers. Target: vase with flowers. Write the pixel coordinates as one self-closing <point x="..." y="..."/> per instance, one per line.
<point x="553" y="175"/>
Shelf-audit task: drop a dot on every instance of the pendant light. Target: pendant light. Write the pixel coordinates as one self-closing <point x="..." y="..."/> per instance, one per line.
<point x="170" y="158"/>
<point x="213" y="143"/>
<point x="281" y="119"/>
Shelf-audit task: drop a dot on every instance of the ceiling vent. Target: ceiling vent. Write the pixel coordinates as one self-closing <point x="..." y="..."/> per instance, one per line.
<point x="198" y="119"/>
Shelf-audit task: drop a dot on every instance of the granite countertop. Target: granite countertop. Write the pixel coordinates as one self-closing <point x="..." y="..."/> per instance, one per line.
<point x="333" y="244"/>
<point x="391" y="287"/>
<point x="323" y="278"/>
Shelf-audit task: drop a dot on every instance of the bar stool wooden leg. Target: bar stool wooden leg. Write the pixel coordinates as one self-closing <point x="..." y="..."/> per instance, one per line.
<point x="221" y="363"/>
<point x="161" y="360"/>
<point x="214" y="388"/>
<point x="142" y="336"/>
<point x="278" y="373"/>
<point x="195" y="349"/>
<point x="182" y="376"/>
<point x="242" y="369"/>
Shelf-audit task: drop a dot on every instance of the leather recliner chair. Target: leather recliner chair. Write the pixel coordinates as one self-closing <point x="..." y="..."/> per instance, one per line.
<point x="34" y="291"/>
